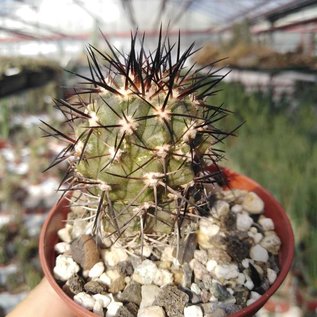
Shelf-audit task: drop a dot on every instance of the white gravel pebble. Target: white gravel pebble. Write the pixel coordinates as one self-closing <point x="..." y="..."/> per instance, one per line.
<point x="65" y="233"/>
<point x="211" y="265"/>
<point x="163" y="277"/>
<point x="255" y="295"/>
<point x="244" y="222"/>
<point x="266" y="223"/>
<point x="195" y="289"/>
<point x="240" y="278"/>
<point x="145" y="272"/>
<point x="207" y="227"/>
<point x="105" y="279"/>
<point x="113" y="308"/>
<point x="201" y="256"/>
<point x="271" y="242"/>
<point x="220" y="208"/>
<point x="250" y="301"/>
<point x="152" y="311"/>
<point x="65" y="267"/>
<point x="96" y="270"/>
<point x="62" y="247"/>
<point x="226" y="271"/>
<point x="104" y="299"/>
<point x="271" y="275"/>
<point x="258" y="253"/>
<point x="253" y="203"/>
<point x="193" y="311"/>
<point x="114" y="256"/>
<point x="85" y="300"/>
<point x="248" y="282"/>
<point x="98" y="308"/>
<point x="149" y="293"/>
<point x="236" y="208"/>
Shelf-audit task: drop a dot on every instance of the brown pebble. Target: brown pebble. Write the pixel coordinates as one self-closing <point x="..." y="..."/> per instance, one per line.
<point x="85" y="251"/>
<point x="117" y="285"/>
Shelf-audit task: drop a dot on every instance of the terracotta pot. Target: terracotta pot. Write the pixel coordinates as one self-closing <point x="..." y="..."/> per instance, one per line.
<point x="273" y="209"/>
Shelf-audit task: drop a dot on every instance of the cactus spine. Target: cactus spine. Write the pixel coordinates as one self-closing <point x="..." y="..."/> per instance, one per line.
<point x="139" y="137"/>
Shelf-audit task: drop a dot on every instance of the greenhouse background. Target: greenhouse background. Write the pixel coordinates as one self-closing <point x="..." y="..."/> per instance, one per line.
<point x="266" y="48"/>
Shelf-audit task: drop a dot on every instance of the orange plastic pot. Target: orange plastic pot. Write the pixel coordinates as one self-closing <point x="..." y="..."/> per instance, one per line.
<point x="273" y="209"/>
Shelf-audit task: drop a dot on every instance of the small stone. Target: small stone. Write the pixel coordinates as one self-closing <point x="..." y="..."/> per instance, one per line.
<point x="271" y="242"/>
<point x="85" y="300"/>
<point x="226" y="271"/>
<point x="198" y="268"/>
<point x="258" y="253"/>
<point x="187" y="275"/>
<point x="65" y="267"/>
<point x="105" y="300"/>
<point x="205" y="296"/>
<point x="114" y="256"/>
<point x="266" y="223"/>
<point x="208" y="281"/>
<point x="193" y="311"/>
<point x="172" y="300"/>
<point x="96" y="270"/>
<point x="211" y="265"/>
<point x="195" y="289"/>
<point x="94" y="287"/>
<point x="62" y="247"/>
<point x="255" y="295"/>
<point x="201" y="256"/>
<point x="208" y="227"/>
<point x="246" y="262"/>
<point x="163" y="277"/>
<point x="113" y="308"/>
<point x="75" y="284"/>
<point x="236" y="208"/>
<point x="145" y="272"/>
<point x="132" y="293"/>
<point x="250" y="301"/>
<point x="152" y="311"/>
<point x="65" y="233"/>
<point x="220" y="292"/>
<point x="126" y="268"/>
<point x="195" y="299"/>
<point x="219" y="255"/>
<point x="117" y="285"/>
<point x="149" y="293"/>
<point x="238" y="245"/>
<point x="229" y="308"/>
<point x="124" y="312"/>
<point x="244" y="222"/>
<point x="218" y="312"/>
<point x="241" y="294"/>
<point x="105" y="279"/>
<point x="187" y="248"/>
<point x="85" y="251"/>
<point x="248" y="282"/>
<point x="81" y="227"/>
<point x="132" y="308"/>
<point x="240" y="278"/>
<point x="98" y="308"/>
<point x="167" y="254"/>
<point x="253" y="203"/>
<point x="220" y="208"/>
<point x="271" y="275"/>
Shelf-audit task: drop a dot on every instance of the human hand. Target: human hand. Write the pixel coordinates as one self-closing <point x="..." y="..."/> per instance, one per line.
<point x="42" y="302"/>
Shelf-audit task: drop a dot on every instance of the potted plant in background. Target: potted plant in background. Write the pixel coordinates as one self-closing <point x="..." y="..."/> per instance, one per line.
<point x="154" y="226"/>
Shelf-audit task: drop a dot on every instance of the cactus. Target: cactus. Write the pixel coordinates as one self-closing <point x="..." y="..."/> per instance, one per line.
<point x="139" y="136"/>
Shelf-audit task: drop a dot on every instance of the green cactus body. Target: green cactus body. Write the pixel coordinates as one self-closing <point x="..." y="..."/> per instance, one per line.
<point x="141" y="140"/>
